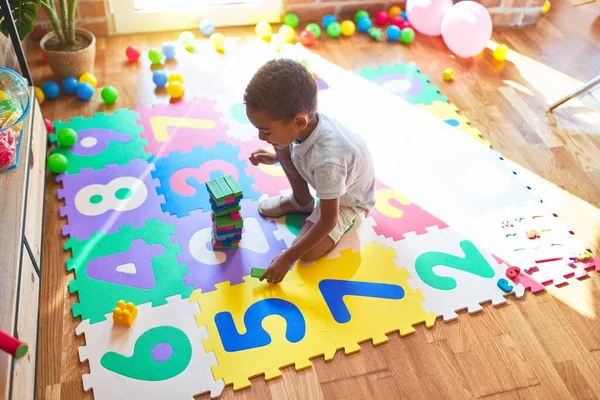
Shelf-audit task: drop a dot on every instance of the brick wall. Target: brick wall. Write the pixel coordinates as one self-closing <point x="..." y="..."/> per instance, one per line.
<point x="503" y="12"/>
<point x="92" y="15"/>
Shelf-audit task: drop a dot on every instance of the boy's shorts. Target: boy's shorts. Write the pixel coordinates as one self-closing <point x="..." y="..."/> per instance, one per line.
<point x="346" y="217"/>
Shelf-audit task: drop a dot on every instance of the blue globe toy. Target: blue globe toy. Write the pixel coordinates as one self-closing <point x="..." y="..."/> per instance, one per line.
<point x="168" y="51"/>
<point x="393" y="33"/>
<point x="69" y="84"/>
<point x="159" y="78"/>
<point x="328" y="20"/>
<point x="364" y="24"/>
<point x="207" y="27"/>
<point x="51" y="90"/>
<point x="84" y="91"/>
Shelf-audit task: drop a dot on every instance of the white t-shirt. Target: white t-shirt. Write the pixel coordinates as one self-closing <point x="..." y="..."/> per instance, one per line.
<point x="336" y="163"/>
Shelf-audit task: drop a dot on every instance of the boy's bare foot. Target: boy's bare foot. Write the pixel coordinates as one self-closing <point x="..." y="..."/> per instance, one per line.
<point x="278" y="206"/>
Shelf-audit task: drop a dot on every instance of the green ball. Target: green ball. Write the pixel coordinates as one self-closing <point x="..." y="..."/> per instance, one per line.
<point x="314" y="28"/>
<point x="360" y="14"/>
<point x="291" y="19"/>
<point x="67" y="137"/>
<point x="109" y="95"/>
<point x="334" y="30"/>
<point x="407" y="35"/>
<point x="57" y="163"/>
<point x="155" y="56"/>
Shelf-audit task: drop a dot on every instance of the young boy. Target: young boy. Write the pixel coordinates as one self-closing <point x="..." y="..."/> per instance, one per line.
<point x="281" y="102"/>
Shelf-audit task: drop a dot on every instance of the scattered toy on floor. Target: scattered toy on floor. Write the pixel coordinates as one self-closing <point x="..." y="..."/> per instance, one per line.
<point x="51" y="90"/>
<point x="90" y="78"/>
<point x="288" y="33"/>
<point x="109" y="95"/>
<point x="382" y="18"/>
<point x="448" y="74"/>
<point x="159" y="78"/>
<point x="84" y="91"/>
<point x="69" y="84"/>
<point x="132" y="53"/>
<point x="334" y="30"/>
<point x="348" y="28"/>
<point x="67" y="137"/>
<point x="57" y="163"/>
<point x="169" y="51"/>
<point x="13" y="346"/>
<point x="291" y="19"/>
<point x="124" y="313"/>
<point x="307" y="38"/>
<point x="314" y="28"/>
<point x="218" y="41"/>
<point x="500" y="52"/>
<point x="155" y="56"/>
<point x="328" y="20"/>
<point x="263" y="30"/>
<point x="207" y="27"/>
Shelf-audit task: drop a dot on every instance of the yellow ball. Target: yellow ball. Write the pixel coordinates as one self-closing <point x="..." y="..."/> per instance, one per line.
<point x="500" y="52"/>
<point x="348" y="28"/>
<point x="288" y="33"/>
<point x="187" y="39"/>
<point x="278" y="41"/>
<point x="175" y="77"/>
<point x="263" y="30"/>
<point x="394" y="11"/>
<point x="175" y="89"/>
<point x="88" y="78"/>
<point x="546" y="7"/>
<point x="3" y="95"/>
<point x="39" y="93"/>
<point x="448" y="74"/>
<point x="217" y="40"/>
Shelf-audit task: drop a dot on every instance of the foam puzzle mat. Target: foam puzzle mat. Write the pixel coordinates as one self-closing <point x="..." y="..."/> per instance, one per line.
<point x="138" y="219"/>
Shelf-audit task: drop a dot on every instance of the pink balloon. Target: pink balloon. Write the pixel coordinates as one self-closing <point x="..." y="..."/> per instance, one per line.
<point x="426" y="15"/>
<point x="466" y="28"/>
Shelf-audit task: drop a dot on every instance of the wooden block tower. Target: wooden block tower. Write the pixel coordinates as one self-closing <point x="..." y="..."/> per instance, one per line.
<point x="225" y="196"/>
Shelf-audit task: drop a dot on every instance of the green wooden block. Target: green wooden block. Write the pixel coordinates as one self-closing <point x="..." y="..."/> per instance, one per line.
<point x="257" y="272"/>
<point x="233" y="185"/>
<point x="224" y="189"/>
<point x="214" y="189"/>
<point x="225" y="220"/>
<point x="234" y="208"/>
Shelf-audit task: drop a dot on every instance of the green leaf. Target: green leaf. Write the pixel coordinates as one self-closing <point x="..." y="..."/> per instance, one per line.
<point x="24" y="13"/>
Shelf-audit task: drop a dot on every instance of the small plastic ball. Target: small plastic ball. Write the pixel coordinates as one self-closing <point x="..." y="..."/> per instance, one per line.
<point x="175" y="89"/>
<point x="169" y="51"/>
<point x="364" y="24"/>
<point x="397" y="21"/>
<point x="69" y="84"/>
<point x="448" y="74"/>
<point x="328" y="20"/>
<point x="404" y="15"/>
<point x="394" y="11"/>
<point x="84" y="91"/>
<point x="187" y="39"/>
<point x="155" y="56"/>
<point x="109" y="95"/>
<point x="393" y="33"/>
<point x="500" y="52"/>
<point x="49" y="126"/>
<point x="291" y="19"/>
<point x="288" y="33"/>
<point x="314" y="28"/>
<point x="307" y="38"/>
<point x="39" y="93"/>
<point x="159" y="78"/>
<point x="88" y="77"/>
<point x="175" y="77"/>
<point x="382" y="18"/>
<point x="407" y="35"/>
<point x="57" y="163"/>
<point x="334" y="30"/>
<point x="67" y="137"/>
<point x="263" y="30"/>
<point x="51" y="90"/>
<point x="361" y="14"/>
<point x="348" y="28"/>
<point x="218" y="41"/>
<point x="404" y="24"/>
<point x="207" y="27"/>
<point x="546" y="7"/>
<point x="132" y="53"/>
<point x="277" y="41"/>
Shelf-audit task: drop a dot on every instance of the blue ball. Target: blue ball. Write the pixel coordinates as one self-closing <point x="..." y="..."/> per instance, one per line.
<point x="84" y="91"/>
<point x="51" y="90"/>
<point x="159" y="78"/>
<point x="327" y="20"/>
<point x="404" y="16"/>
<point x="207" y="27"/>
<point x="169" y="51"/>
<point x="393" y="33"/>
<point x="69" y="84"/>
<point x="364" y="24"/>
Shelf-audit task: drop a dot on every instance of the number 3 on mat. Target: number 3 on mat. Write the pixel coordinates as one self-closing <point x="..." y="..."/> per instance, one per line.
<point x="333" y="292"/>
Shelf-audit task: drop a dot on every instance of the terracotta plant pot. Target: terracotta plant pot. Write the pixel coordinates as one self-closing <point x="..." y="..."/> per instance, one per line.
<point x="71" y="63"/>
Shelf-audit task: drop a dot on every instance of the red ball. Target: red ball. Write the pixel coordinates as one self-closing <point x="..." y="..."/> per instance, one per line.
<point x="397" y="21"/>
<point x="307" y="38"/>
<point x="132" y="53"/>
<point x="405" y="24"/>
<point x="49" y="126"/>
<point x="382" y="18"/>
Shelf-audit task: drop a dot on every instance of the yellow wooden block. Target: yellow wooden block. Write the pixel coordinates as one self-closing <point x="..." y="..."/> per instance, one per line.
<point x="332" y="304"/>
<point x="124" y="313"/>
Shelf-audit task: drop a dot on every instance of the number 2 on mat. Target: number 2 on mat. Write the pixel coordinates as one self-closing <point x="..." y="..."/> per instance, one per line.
<point x="473" y="262"/>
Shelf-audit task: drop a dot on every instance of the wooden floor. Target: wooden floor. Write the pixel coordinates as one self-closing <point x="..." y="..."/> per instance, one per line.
<point x="544" y="346"/>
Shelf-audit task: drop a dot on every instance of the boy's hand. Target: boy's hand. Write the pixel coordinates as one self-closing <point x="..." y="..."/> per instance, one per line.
<point x="262" y="156"/>
<point x="278" y="268"/>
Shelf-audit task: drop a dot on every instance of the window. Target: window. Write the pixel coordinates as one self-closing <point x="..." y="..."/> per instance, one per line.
<point x="133" y="16"/>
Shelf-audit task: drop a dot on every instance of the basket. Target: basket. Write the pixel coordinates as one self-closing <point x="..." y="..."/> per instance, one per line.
<point x="15" y="104"/>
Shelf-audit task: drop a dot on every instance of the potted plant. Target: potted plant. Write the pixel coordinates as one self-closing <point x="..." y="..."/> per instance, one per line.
<point x="70" y="51"/>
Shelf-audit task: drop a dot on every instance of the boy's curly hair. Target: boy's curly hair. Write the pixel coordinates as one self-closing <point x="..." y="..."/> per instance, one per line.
<point x="282" y="88"/>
